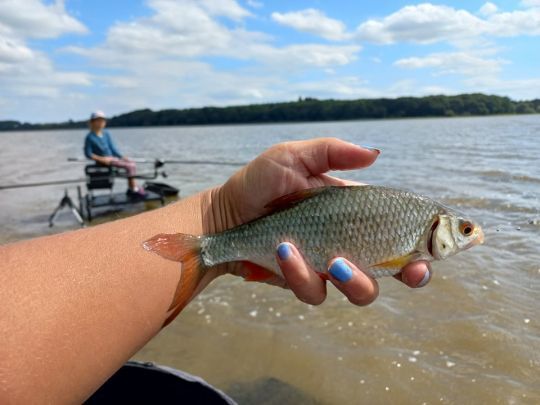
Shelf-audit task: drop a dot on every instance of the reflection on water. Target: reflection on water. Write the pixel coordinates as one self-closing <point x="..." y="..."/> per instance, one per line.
<point x="471" y="336"/>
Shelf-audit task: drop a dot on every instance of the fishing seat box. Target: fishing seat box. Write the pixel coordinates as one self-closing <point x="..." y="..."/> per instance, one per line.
<point x="101" y="177"/>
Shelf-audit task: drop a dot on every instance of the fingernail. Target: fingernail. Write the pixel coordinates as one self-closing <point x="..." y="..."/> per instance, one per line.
<point x="284" y="251"/>
<point x="341" y="271"/>
<point x="424" y="280"/>
<point x="371" y="148"/>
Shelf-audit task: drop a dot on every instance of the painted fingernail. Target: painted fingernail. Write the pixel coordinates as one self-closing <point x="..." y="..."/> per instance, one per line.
<point x="341" y="271"/>
<point x="424" y="280"/>
<point x="284" y="251"/>
<point x="371" y="148"/>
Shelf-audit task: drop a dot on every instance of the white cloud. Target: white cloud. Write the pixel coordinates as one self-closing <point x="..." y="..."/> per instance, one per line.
<point x="166" y="59"/>
<point x="12" y="51"/>
<point x="36" y="75"/>
<point x="510" y="24"/>
<point x="187" y="30"/>
<point x="464" y="63"/>
<point x="476" y="60"/>
<point x="304" y="55"/>
<point x="221" y="8"/>
<point x="254" y="3"/>
<point x="27" y="75"/>
<point x="481" y="74"/>
<point x="34" y="19"/>
<point x="158" y="60"/>
<point x="488" y="9"/>
<point x="521" y="89"/>
<point x="427" y="23"/>
<point x="314" y="22"/>
<point x="410" y="87"/>
<point x="182" y="28"/>
<point x="530" y="3"/>
<point x="424" y="23"/>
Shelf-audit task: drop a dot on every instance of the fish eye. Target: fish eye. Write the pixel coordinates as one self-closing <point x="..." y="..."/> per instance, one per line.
<point x="466" y="228"/>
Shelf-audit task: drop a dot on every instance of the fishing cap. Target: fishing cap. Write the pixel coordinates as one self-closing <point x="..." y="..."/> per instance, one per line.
<point x="97" y="114"/>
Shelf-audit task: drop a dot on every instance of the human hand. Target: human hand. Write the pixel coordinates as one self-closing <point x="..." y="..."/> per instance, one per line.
<point x="290" y="167"/>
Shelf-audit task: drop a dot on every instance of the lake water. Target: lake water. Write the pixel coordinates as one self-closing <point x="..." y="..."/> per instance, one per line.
<point x="471" y="336"/>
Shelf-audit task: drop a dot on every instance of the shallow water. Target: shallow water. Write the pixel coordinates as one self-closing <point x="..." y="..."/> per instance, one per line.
<point x="471" y="336"/>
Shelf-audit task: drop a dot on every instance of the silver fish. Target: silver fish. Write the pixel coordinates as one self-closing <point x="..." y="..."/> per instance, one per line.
<point x="378" y="228"/>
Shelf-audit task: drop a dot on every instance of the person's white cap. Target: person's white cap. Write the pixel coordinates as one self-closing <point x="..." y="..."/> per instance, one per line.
<point x="97" y="114"/>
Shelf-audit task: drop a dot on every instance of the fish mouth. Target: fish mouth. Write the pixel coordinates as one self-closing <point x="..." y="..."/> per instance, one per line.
<point x="479" y="240"/>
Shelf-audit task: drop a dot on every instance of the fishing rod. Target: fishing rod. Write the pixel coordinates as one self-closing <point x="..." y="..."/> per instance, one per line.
<point x="162" y="162"/>
<point x="42" y="183"/>
<point x="148" y="176"/>
<point x="204" y="162"/>
<point x="113" y="173"/>
<point x="142" y="176"/>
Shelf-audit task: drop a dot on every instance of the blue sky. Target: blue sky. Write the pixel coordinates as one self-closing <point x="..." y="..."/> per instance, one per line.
<point x="59" y="60"/>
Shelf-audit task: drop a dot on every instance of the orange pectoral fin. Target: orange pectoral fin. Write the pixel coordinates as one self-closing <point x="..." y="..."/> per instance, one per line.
<point x="256" y="272"/>
<point x="396" y="263"/>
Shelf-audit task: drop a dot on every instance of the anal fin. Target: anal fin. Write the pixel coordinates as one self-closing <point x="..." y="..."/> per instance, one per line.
<point x="256" y="272"/>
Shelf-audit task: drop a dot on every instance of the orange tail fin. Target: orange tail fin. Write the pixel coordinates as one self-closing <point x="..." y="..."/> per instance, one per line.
<point x="187" y="250"/>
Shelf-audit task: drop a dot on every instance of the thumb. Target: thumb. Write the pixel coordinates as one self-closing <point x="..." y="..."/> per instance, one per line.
<point x="321" y="155"/>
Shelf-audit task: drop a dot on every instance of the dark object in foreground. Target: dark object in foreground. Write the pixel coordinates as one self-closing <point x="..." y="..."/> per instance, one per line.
<point x="146" y="383"/>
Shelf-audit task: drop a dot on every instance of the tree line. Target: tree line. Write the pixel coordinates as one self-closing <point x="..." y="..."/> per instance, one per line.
<point x="310" y="109"/>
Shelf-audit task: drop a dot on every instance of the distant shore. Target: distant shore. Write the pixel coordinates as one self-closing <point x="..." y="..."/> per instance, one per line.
<point x="308" y="110"/>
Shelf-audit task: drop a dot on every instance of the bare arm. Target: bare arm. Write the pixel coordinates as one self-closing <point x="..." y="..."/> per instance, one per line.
<point x="76" y="306"/>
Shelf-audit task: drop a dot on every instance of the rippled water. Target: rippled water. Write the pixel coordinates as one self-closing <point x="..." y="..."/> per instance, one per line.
<point x="471" y="336"/>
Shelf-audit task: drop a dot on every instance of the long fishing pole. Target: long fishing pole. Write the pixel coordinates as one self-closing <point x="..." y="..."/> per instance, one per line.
<point x="166" y="161"/>
<point x="204" y="162"/>
<point x="148" y="176"/>
<point x="156" y="162"/>
<point x="42" y="183"/>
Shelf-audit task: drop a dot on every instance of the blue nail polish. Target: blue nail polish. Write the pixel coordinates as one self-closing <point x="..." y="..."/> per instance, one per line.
<point x="284" y="251"/>
<point x="371" y="148"/>
<point x="341" y="271"/>
<point x="424" y="280"/>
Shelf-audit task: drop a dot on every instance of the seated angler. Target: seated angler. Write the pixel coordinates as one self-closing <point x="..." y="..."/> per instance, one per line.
<point x="99" y="146"/>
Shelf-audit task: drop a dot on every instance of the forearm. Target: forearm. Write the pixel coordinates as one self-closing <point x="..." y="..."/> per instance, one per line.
<point x="76" y="306"/>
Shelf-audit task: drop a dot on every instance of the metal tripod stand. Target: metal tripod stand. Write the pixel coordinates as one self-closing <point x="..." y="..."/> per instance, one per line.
<point x="66" y="202"/>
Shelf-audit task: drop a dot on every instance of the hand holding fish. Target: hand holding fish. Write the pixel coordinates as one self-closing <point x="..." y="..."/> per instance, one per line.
<point x="285" y="195"/>
<point x="290" y="167"/>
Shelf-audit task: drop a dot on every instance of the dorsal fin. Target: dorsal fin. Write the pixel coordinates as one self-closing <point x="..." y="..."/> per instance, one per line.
<point x="292" y="199"/>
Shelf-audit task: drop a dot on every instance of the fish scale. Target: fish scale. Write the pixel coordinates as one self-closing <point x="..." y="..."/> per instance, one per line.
<point x="368" y="225"/>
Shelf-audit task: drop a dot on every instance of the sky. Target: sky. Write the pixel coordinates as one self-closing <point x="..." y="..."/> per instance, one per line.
<point x="60" y="60"/>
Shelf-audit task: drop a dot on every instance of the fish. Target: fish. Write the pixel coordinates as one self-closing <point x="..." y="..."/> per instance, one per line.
<point x="378" y="228"/>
